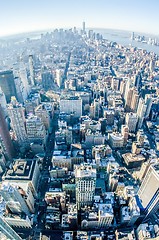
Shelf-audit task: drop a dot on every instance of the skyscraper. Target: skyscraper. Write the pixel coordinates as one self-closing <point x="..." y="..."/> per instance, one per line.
<point x="131" y="121"/>
<point x="7" y="84"/>
<point x="148" y="101"/>
<point x="31" y="69"/>
<point x="14" y="199"/>
<point x="149" y="190"/>
<point x="83" y="27"/>
<point x="3" y="102"/>
<point x="141" y="112"/>
<point x="5" y="140"/>
<point x="85" y="177"/>
<point x="8" y="232"/>
<point x="16" y="114"/>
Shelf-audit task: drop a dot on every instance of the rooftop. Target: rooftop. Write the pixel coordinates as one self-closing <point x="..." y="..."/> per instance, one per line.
<point x="22" y="169"/>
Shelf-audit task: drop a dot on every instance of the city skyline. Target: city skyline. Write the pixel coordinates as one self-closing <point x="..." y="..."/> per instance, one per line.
<point x="19" y="17"/>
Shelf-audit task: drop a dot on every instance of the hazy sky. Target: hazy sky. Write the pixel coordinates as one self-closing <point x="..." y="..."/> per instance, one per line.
<point x="29" y="15"/>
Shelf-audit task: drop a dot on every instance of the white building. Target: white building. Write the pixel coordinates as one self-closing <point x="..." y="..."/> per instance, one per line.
<point x="131" y="120"/>
<point x="71" y="106"/>
<point x="116" y="140"/>
<point x="149" y="191"/>
<point x="14" y="199"/>
<point x="85" y="177"/>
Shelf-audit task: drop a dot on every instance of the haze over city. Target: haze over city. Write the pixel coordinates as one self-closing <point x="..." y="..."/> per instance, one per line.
<point x="79" y="120"/>
<point x="24" y="16"/>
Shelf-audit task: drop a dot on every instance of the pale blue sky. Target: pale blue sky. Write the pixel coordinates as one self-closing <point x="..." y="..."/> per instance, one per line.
<point x="29" y="15"/>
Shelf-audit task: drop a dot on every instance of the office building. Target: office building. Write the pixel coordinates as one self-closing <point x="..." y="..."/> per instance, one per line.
<point x="85" y="178"/>
<point x="106" y="214"/>
<point x="59" y="78"/>
<point x="14" y="198"/>
<point x="147" y="231"/>
<point x="134" y="100"/>
<point x="116" y="140"/>
<point x="5" y="139"/>
<point x="148" y="102"/>
<point x="84" y="27"/>
<point x="16" y="114"/>
<point x="149" y="190"/>
<point x="35" y="129"/>
<point x="125" y="132"/>
<point x="25" y="174"/>
<point x="72" y="105"/>
<point x="131" y="120"/>
<point x="47" y="79"/>
<point x="45" y="112"/>
<point x="141" y="110"/>
<point x="7" y="232"/>
<point x="31" y="70"/>
<point x="3" y="103"/>
<point x="7" y="84"/>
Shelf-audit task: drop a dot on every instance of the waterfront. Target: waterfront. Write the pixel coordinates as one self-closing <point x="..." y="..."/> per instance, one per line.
<point x="123" y="38"/>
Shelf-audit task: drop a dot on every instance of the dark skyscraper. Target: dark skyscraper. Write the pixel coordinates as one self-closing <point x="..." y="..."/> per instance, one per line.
<point x="7" y="84"/>
<point x="5" y="140"/>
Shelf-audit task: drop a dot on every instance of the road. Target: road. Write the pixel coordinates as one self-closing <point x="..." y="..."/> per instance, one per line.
<point x="43" y="183"/>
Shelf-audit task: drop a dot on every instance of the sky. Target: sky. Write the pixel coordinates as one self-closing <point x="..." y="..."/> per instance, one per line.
<point x="19" y="16"/>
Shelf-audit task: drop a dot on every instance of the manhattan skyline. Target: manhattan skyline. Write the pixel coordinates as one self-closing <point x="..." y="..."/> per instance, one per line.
<point x="20" y="17"/>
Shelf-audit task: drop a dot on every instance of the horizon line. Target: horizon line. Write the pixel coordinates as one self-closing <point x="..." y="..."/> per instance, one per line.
<point x="78" y="28"/>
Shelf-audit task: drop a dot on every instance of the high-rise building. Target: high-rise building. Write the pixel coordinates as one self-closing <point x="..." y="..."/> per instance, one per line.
<point x="133" y="36"/>
<point x="141" y="112"/>
<point x="14" y="198"/>
<point x="127" y="87"/>
<point x="125" y="132"/>
<point x="47" y="79"/>
<point x="21" y="83"/>
<point x="131" y="100"/>
<point x="3" y="102"/>
<point x="59" y="77"/>
<point x="7" y="231"/>
<point x="5" y="140"/>
<point x="131" y="120"/>
<point x="35" y="129"/>
<point x="25" y="83"/>
<point x="149" y="190"/>
<point x="17" y="117"/>
<point x="7" y="84"/>
<point x="71" y="105"/>
<point x="134" y="100"/>
<point x="45" y="112"/>
<point x="31" y="69"/>
<point x="84" y="27"/>
<point x="85" y="177"/>
<point x="148" y="102"/>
